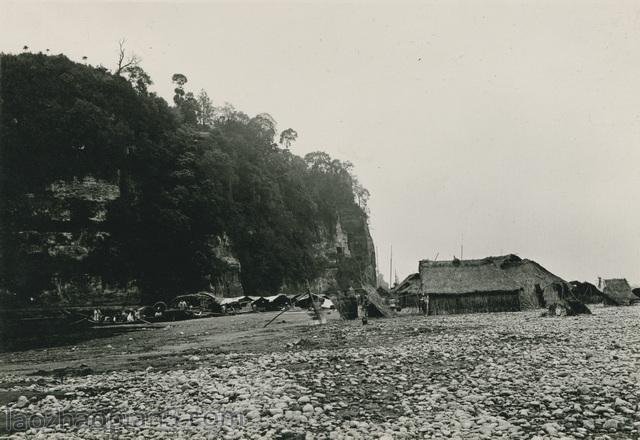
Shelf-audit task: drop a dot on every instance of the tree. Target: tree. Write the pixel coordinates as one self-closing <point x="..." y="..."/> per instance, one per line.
<point x="124" y="61"/>
<point x="129" y="67"/>
<point x="185" y="102"/>
<point x="205" y="112"/>
<point x="287" y="137"/>
<point x="138" y="78"/>
<point x="265" y="124"/>
<point x="179" y="80"/>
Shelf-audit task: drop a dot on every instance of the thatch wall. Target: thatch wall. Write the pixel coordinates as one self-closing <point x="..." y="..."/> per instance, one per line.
<point x="555" y="293"/>
<point x="476" y="302"/>
<point x="618" y="292"/>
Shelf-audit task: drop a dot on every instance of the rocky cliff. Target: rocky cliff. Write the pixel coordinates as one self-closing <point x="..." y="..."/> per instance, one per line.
<point x="348" y="256"/>
<point x="62" y="232"/>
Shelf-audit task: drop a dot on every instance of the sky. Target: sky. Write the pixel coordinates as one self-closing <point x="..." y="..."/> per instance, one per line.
<point x="503" y="126"/>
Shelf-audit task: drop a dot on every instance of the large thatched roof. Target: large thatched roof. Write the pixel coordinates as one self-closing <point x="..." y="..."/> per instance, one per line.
<point x="618" y="291"/>
<point x="526" y="271"/>
<point x="467" y="276"/>
<point x="481" y="274"/>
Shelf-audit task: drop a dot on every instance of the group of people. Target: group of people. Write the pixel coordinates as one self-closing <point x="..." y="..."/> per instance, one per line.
<point x="124" y="316"/>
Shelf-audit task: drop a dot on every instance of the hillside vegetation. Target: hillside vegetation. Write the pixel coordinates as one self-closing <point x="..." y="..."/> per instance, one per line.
<point x="184" y="177"/>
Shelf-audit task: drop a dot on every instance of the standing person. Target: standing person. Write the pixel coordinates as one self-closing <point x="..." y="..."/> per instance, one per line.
<point x="363" y="305"/>
<point x="423" y="304"/>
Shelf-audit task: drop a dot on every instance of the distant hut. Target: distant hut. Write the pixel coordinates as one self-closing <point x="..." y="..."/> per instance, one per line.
<point x="201" y="301"/>
<point x="304" y="301"/>
<point x="259" y="303"/>
<point x="586" y="292"/>
<point x="277" y="302"/>
<point x="408" y="291"/>
<point x="617" y="292"/>
<point x="384" y="293"/>
<point x="469" y="286"/>
<point x="236" y="304"/>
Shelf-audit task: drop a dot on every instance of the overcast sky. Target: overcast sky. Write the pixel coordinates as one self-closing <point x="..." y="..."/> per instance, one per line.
<point x="515" y="124"/>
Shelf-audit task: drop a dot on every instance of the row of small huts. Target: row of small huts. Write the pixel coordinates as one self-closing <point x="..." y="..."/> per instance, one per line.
<point x="280" y="301"/>
<point x="500" y="284"/>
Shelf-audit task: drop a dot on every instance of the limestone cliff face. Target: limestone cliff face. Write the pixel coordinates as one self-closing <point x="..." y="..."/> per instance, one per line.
<point x="65" y="225"/>
<point x="349" y="255"/>
<point x="227" y="282"/>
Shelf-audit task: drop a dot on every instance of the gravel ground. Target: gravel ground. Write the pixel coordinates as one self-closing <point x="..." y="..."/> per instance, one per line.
<point x="508" y="375"/>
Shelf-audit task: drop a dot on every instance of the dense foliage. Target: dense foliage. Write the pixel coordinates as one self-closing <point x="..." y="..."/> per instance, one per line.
<point x="187" y="173"/>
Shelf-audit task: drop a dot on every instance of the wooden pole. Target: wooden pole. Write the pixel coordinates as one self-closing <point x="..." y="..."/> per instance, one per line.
<point x="316" y="309"/>
<point x="275" y="317"/>
<point x="391" y="268"/>
<point x="285" y="310"/>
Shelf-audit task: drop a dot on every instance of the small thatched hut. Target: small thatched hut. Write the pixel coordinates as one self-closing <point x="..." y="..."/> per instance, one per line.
<point x="278" y="302"/>
<point x="203" y="301"/>
<point x="617" y="292"/>
<point x="408" y="291"/>
<point x="470" y="286"/>
<point x="586" y="292"/>
<point x="304" y="301"/>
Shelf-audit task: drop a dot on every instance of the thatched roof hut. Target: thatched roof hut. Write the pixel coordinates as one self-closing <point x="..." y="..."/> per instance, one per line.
<point x="617" y="292"/>
<point x="586" y="292"/>
<point x="468" y="286"/>
<point x="205" y="301"/>
<point x="529" y="275"/>
<point x="278" y="302"/>
<point x="408" y="291"/>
